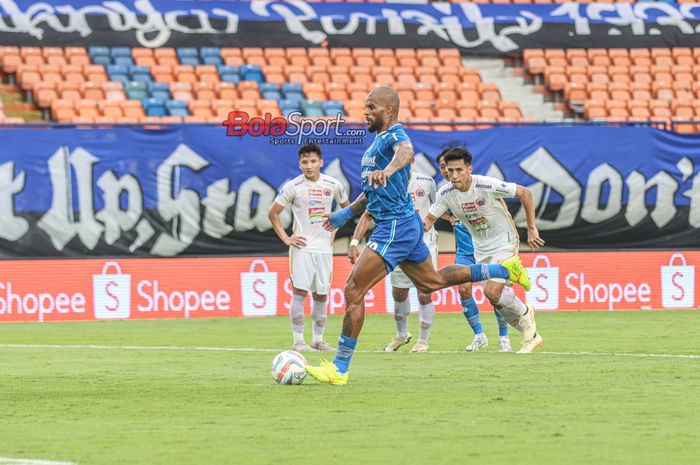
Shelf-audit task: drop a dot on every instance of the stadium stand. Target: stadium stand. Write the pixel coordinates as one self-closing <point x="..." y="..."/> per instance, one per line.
<point x="123" y="85"/>
<point x="656" y="84"/>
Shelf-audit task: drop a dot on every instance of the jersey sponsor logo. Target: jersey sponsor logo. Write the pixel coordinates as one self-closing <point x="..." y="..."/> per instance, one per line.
<point x="479" y="223"/>
<point x="481" y="202"/>
<point x="468" y="207"/>
<point x="502" y="188"/>
<point x="316" y="194"/>
<point x="316" y="214"/>
<point x="368" y="161"/>
<point x="483" y="186"/>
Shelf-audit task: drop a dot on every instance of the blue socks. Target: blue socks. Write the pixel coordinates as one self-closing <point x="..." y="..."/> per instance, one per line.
<point x="471" y="313"/>
<point x="482" y="272"/>
<point x="502" y="323"/>
<point x="343" y="354"/>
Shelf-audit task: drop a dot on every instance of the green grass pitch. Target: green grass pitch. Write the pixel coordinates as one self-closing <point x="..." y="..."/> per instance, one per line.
<point x="590" y="396"/>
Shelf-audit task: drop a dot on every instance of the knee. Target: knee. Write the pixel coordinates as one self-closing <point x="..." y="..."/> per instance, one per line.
<point x="399" y="294"/>
<point x="493" y="295"/>
<point x="425" y="299"/>
<point x="353" y="294"/>
<point x="465" y="291"/>
<point x="320" y="297"/>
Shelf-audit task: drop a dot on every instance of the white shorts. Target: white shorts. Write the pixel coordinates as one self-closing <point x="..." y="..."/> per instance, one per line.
<point x="399" y="278"/>
<point x="310" y="271"/>
<point x="499" y="256"/>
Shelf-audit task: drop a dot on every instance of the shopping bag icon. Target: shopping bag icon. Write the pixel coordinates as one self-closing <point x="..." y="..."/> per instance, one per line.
<point x="544" y="294"/>
<point x="677" y="283"/>
<point x="111" y="293"/>
<point x="259" y="291"/>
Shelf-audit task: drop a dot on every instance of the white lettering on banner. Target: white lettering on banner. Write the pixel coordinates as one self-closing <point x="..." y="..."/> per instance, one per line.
<point x="155" y="300"/>
<point x="114" y="218"/>
<point x="601" y="175"/>
<point x="153" y="28"/>
<point x="244" y="219"/>
<point x="610" y="293"/>
<point x="11" y="226"/>
<point x="41" y="303"/>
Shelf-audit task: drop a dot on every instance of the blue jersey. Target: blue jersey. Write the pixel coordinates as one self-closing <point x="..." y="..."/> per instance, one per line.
<point x="463" y="238"/>
<point x="393" y="201"/>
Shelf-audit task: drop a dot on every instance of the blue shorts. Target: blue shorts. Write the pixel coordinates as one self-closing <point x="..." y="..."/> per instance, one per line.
<point x="465" y="259"/>
<point x="399" y="240"/>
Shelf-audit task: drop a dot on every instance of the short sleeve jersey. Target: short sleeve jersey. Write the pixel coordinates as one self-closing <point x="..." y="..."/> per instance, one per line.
<point x="310" y="201"/>
<point x="482" y="210"/>
<point x="393" y="201"/>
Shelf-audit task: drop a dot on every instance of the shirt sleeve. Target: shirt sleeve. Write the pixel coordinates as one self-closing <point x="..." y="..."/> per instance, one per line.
<point x="286" y="195"/>
<point x="433" y="191"/>
<point x="340" y="194"/>
<point x="395" y="138"/>
<point x="499" y="189"/>
<point x="439" y="206"/>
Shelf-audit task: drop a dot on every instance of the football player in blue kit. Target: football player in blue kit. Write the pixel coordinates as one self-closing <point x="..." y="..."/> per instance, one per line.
<point x="397" y="239"/>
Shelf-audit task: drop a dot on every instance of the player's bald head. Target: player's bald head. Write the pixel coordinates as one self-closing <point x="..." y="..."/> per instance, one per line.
<point x="386" y="96"/>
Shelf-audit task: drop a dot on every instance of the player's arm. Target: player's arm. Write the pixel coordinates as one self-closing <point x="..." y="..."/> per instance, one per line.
<point x="533" y="236"/>
<point x="403" y="156"/>
<point x="360" y="231"/>
<point x="342" y="204"/>
<point x="429" y="221"/>
<point x="274" y="216"/>
<point x="337" y="219"/>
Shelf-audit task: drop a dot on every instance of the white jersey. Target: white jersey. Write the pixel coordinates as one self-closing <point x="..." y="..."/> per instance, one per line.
<point x="422" y="190"/>
<point x="482" y="210"/>
<point x="310" y="201"/>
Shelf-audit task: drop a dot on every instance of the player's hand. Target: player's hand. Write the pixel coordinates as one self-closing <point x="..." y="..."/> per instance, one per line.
<point x="297" y="241"/>
<point x="327" y="224"/>
<point x="452" y="219"/>
<point x="353" y="253"/>
<point x="378" y="178"/>
<point x="533" y="238"/>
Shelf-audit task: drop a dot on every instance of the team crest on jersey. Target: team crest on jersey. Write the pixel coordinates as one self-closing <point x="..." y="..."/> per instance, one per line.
<point x="316" y="194"/>
<point x="327" y="192"/>
<point x="468" y="207"/>
<point x="420" y="192"/>
<point x="481" y="202"/>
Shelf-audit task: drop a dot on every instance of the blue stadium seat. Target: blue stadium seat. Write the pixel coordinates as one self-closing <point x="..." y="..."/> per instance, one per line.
<point x="128" y="61"/>
<point x="312" y="108"/>
<point x="212" y="60"/>
<point x="155" y="107"/>
<point x="159" y="90"/>
<point x="102" y="60"/>
<point x="136" y="90"/>
<point x="117" y="69"/>
<point x="332" y="108"/>
<point x="177" y="108"/>
<point x="141" y="73"/>
<point x="190" y="61"/>
<point x="293" y="104"/>
<point x="271" y="95"/>
<point x="210" y="52"/>
<point x="121" y="52"/>
<point x="252" y="73"/>
<point x="269" y="86"/>
<point x="296" y="96"/>
<point x="229" y="74"/>
<point x="187" y="52"/>
<point x="123" y="78"/>
<point x="98" y="51"/>
<point x="292" y="87"/>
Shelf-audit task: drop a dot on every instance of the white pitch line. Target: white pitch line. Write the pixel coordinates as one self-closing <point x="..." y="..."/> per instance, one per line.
<point x="11" y="461"/>
<point x="252" y="349"/>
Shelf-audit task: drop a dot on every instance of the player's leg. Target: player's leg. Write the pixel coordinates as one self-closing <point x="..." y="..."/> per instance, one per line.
<point x="400" y="285"/>
<point x="514" y="311"/>
<point x="369" y="269"/>
<point x="426" y="316"/>
<point x="301" y="275"/>
<point x="426" y="307"/>
<point x="471" y="310"/>
<point x="503" y="339"/>
<point x="323" y="264"/>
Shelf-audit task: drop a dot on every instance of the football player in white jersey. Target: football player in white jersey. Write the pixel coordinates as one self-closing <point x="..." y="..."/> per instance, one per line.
<point x="422" y="189"/>
<point x="477" y="202"/>
<point x="311" y="196"/>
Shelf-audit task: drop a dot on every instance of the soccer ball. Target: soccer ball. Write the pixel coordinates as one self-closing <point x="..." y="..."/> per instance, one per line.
<point x="288" y="368"/>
